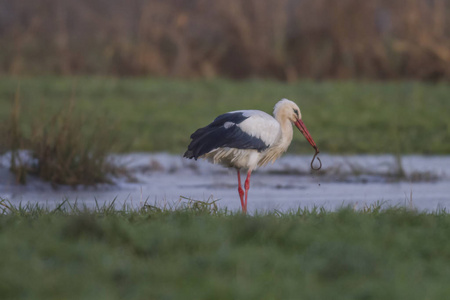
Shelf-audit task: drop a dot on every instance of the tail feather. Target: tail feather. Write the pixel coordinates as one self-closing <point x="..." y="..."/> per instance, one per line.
<point x="203" y="141"/>
<point x="189" y="154"/>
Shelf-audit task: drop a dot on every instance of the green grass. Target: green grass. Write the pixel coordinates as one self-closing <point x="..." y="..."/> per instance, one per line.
<point x="160" y="114"/>
<point x="197" y="252"/>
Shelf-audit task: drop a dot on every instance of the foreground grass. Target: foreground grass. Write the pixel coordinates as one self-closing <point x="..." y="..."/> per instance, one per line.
<point x="160" y="114"/>
<point x="197" y="252"/>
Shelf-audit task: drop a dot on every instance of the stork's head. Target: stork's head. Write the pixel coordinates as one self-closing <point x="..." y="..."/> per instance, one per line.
<point x="286" y="109"/>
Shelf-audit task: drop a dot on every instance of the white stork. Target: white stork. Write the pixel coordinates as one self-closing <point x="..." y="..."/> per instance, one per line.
<point x="247" y="139"/>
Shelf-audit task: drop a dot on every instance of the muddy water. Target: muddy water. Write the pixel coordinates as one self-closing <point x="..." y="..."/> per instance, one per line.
<point x="422" y="182"/>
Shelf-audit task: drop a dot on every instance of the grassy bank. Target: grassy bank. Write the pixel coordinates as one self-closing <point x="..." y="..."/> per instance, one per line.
<point x="198" y="253"/>
<point x="160" y="114"/>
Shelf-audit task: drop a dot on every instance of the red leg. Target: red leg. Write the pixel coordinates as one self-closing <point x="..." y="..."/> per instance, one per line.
<point x="240" y="190"/>
<point x="247" y="187"/>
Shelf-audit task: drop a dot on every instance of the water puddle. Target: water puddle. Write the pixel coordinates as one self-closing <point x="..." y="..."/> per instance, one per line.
<point x="422" y="182"/>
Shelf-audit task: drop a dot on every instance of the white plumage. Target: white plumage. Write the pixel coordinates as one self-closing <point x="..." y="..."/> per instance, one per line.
<point x="261" y="125"/>
<point x="247" y="139"/>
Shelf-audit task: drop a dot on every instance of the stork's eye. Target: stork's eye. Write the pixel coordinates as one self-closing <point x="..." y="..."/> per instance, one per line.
<point x="296" y="112"/>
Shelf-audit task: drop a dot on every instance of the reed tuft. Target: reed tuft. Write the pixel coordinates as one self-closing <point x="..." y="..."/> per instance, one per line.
<point x="68" y="149"/>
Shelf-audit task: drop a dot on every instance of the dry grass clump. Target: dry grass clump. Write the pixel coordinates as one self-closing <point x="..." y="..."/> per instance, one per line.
<point x="61" y="150"/>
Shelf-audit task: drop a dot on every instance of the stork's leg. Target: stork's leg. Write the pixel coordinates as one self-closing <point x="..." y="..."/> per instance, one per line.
<point x="247" y="187"/>
<point x="240" y="190"/>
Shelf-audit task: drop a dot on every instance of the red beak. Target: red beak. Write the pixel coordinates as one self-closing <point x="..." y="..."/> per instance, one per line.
<point x="301" y="126"/>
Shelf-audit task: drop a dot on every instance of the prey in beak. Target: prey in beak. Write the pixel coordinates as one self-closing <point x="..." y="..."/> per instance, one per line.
<point x="301" y="126"/>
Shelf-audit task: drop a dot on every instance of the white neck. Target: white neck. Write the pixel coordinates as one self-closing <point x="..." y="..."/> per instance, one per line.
<point x="286" y="134"/>
<point x="281" y="144"/>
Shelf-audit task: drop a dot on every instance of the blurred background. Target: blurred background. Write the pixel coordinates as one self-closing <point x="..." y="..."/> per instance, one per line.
<point x="80" y="79"/>
<point x="278" y="39"/>
<point x="98" y="99"/>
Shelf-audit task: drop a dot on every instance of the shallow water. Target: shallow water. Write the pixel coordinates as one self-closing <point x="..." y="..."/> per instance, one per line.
<point x="422" y="182"/>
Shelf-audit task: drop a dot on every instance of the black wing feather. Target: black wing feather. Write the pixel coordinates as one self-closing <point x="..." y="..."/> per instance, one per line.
<point x="215" y="135"/>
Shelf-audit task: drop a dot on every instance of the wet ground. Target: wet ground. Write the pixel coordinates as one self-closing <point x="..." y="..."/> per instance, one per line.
<point x="422" y="182"/>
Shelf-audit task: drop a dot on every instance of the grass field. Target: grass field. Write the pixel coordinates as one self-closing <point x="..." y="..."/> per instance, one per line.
<point x="198" y="253"/>
<point x="160" y="114"/>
